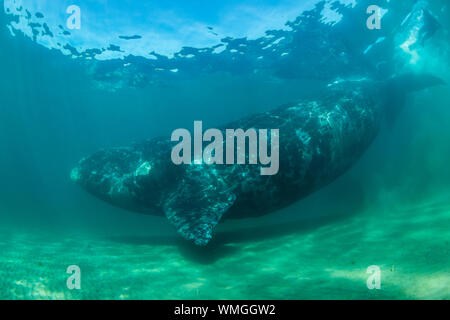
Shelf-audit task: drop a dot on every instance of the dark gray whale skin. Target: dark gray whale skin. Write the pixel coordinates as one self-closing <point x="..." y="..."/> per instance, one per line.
<point x="319" y="140"/>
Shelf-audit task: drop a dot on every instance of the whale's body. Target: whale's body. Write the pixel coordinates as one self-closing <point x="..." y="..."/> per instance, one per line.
<point x="319" y="140"/>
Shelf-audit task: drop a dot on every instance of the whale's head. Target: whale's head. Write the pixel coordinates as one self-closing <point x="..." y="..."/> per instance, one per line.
<point x="127" y="178"/>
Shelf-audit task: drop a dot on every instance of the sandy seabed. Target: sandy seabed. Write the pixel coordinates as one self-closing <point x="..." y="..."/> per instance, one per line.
<point x="292" y="260"/>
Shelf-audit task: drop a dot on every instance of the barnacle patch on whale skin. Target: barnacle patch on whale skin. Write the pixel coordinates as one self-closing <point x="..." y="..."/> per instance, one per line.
<point x="144" y="169"/>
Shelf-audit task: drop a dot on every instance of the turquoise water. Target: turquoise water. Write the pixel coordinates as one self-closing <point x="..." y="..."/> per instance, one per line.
<point x="391" y="210"/>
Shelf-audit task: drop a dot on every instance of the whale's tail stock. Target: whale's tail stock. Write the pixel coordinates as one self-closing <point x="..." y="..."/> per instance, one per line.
<point x="398" y="87"/>
<point x="409" y="82"/>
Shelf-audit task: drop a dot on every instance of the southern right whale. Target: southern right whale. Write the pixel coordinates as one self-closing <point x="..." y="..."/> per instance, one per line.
<point x="319" y="140"/>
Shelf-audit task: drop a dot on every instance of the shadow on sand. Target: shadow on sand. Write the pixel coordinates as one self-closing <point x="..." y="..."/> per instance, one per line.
<point x="323" y="208"/>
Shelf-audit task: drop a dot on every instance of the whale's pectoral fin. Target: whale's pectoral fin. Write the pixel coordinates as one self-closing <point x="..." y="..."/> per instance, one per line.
<point x="197" y="206"/>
